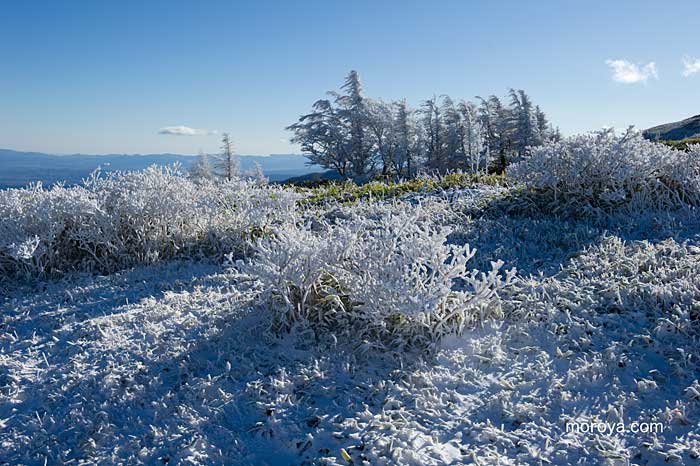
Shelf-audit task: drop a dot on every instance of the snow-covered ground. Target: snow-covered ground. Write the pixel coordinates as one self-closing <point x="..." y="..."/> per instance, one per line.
<point x="174" y="363"/>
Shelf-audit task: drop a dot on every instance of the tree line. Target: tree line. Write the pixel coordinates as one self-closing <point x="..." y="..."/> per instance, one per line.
<point x="225" y="166"/>
<point x="362" y="137"/>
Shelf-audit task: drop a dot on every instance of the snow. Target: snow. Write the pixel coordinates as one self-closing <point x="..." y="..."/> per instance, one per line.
<point x="174" y="362"/>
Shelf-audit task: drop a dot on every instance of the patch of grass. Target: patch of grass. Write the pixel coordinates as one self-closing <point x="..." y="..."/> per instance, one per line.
<point x="683" y="144"/>
<point x="349" y="192"/>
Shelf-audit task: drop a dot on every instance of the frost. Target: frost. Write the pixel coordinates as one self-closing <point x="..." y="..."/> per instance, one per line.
<point x="129" y="218"/>
<point x="603" y="171"/>
<point x="231" y="324"/>
<point x="391" y="282"/>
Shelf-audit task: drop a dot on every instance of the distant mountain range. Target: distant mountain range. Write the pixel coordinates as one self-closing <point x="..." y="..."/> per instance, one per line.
<point x="688" y="128"/>
<point x="21" y="168"/>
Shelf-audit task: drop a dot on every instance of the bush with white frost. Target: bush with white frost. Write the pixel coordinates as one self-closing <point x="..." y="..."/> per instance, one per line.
<point x="391" y="282"/>
<point x="601" y="170"/>
<point x="128" y="218"/>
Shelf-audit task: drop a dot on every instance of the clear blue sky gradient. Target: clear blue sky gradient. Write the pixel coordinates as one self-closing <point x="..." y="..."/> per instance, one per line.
<point x="103" y="77"/>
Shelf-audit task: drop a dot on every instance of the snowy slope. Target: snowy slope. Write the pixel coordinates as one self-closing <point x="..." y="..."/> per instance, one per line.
<point x="173" y="363"/>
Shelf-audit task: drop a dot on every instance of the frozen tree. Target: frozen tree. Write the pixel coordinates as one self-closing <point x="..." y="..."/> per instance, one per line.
<point x="324" y="137"/>
<point x="228" y="166"/>
<point x="359" y="137"/>
<point x="487" y="116"/>
<point x="380" y="124"/>
<point x="545" y="132"/>
<point x="523" y="121"/>
<point x="432" y="126"/>
<point x="257" y="174"/>
<point x="495" y="120"/>
<point x="472" y="138"/>
<point x="201" y="169"/>
<point x="556" y="135"/>
<point x="353" y="109"/>
<point x="452" y="130"/>
<point x="333" y="134"/>
<point x="405" y="154"/>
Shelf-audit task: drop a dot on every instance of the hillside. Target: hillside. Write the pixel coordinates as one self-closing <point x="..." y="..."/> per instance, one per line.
<point x="676" y="131"/>
<point x="18" y="169"/>
<point x="534" y="319"/>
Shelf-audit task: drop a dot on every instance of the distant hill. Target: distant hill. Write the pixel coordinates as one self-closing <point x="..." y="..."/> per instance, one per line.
<point x="677" y="131"/>
<point x="21" y="168"/>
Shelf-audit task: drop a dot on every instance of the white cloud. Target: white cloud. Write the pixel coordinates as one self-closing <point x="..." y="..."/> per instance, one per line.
<point x="184" y="131"/>
<point x="690" y="66"/>
<point x="627" y="72"/>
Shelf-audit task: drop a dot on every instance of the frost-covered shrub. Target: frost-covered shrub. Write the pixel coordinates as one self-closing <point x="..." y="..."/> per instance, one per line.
<point x="390" y="282"/>
<point x="601" y="170"/>
<point x="128" y="218"/>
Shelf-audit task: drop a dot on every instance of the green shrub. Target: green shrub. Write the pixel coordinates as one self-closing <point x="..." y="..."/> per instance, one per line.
<point x="684" y="144"/>
<point x="350" y="192"/>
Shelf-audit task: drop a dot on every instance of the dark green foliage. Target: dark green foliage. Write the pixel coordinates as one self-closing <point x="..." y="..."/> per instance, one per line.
<point x="683" y="144"/>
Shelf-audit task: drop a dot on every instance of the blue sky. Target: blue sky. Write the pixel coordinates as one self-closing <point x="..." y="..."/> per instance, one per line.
<point x="105" y="77"/>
